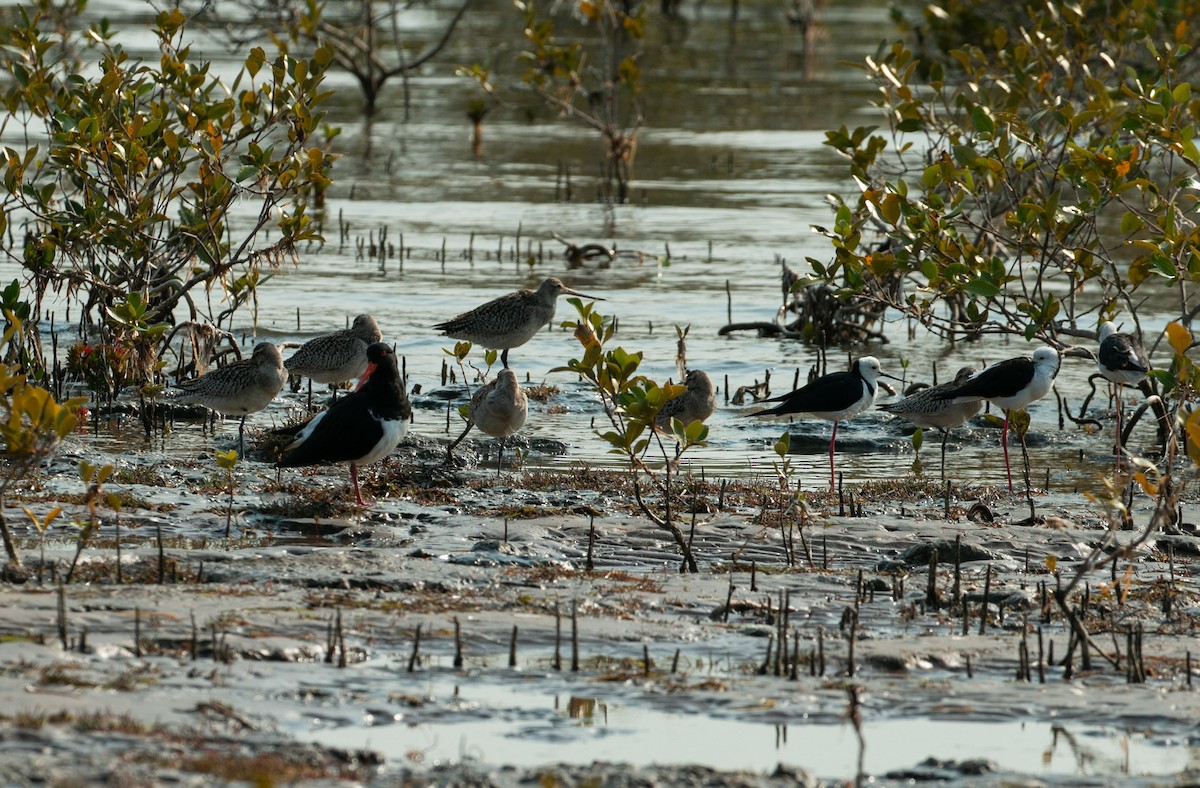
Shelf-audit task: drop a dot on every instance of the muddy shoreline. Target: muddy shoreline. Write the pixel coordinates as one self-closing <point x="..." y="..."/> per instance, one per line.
<point x="231" y="648"/>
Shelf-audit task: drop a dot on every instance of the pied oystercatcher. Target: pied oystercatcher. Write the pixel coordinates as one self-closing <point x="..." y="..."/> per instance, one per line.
<point x="360" y="428"/>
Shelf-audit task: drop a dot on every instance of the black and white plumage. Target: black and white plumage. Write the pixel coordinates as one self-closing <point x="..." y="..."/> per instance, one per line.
<point x="927" y="410"/>
<point x="236" y="389"/>
<point x="834" y="397"/>
<point x="1121" y="359"/>
<point x="1123" y="362"/>
<point x="360" y="428"/>
<point x="1010" y="385"/>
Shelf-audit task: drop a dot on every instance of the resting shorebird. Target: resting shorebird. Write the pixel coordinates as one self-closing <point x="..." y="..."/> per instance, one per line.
<point x="695" y="404"/>
<point x="361" y="427"/>
<point x="338" y="356"/>
<point x="1010" y="385"/>
<point x="924" y="409"/>
<point x="510" y="320"/>
<point x="236" y="389"/>
<point x="834" y="397"/>
<point x="499" y="409"/>
<point x="1123" y="362"/>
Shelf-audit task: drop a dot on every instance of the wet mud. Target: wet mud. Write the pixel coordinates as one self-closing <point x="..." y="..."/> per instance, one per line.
<point x="479" y="629"/>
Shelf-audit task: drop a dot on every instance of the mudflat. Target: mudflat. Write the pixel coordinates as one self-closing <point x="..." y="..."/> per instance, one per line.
<point x="469" y="630"/>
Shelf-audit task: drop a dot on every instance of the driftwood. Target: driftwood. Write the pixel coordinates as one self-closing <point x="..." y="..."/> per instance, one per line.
<point x="820" y="315"/>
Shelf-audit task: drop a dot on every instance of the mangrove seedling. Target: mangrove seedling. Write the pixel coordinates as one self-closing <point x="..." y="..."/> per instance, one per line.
<point x="227" y="461"/>
<point x="93" y="478"/>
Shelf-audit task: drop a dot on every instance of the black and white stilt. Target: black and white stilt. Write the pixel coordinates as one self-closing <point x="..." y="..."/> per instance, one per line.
<point x="1123" y="362"/>
<point x="1010" y="385"/>
<point x="834" y="397"/>
<point x="360" y="428"/>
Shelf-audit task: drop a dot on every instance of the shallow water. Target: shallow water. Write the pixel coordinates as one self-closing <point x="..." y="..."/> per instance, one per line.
<point x="731" y="173"/>
<point x="489" y="722"/>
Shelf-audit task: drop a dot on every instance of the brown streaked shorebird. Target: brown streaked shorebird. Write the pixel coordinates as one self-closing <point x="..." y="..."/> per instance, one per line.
<point x="510" y="320"/>
<point x="338" y="356"/>
<point x="499" y="409"/>
<point x="695" y="404"/>
<point x="1122" y="362"/>
<point x="236" y="389"/>
<point x="927" y="410"/>
<point x="360" y="428"/>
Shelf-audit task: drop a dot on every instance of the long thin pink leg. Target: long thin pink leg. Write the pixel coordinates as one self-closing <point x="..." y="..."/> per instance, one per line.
<point x="1004" y="443"/>
<point x="1117" y="386"/>
<point x="354" y="478"/>
<point x="832" y="441"/>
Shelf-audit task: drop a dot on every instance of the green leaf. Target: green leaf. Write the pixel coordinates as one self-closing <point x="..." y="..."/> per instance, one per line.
<point x="982" y="288"/>
<point x="982" y="120"/>
<point x="783" y="444"/>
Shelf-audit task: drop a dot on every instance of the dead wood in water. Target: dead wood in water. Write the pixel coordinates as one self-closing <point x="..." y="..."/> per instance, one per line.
<point x="821" y="315"/>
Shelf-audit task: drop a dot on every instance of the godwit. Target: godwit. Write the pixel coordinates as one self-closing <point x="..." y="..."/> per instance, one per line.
<point x="499" y="409"/>
<point x="1123" y="362"/>
<point x="695" y="404"/>
<point x="359" y="428"/>
<point x="510" y="320"/>
<point x="236" y="389"/>
<point x="925" y="409"/>
<point x="338" y="356"/>
<point x="834" y="397"/>
<point x="1010" y="385"/>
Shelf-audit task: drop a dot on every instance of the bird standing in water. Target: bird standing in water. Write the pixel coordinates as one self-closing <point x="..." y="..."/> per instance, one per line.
<point x="360" y="428"/>
<point x="240" y="388"/>
<point x="695" y="404"/>
<point x="499" y="409"/>
<point x="1122" y="362"/>
<point x="338" y="356"/>
<point x="1010" y="385"/>
<point x="925" y="409"/>
<point x="834" y="397"/>
<point x="510" y="320"/>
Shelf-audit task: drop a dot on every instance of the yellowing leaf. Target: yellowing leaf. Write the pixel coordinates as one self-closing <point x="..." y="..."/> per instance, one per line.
<point x="1051" y="563"/>
<point x="1192" y="428"/>
<point x="1148" y="487"/>
<point x="1179" y="337"/>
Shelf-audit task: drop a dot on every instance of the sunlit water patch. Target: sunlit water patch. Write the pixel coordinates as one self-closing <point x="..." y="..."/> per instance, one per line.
<point x="507" y="723"/>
